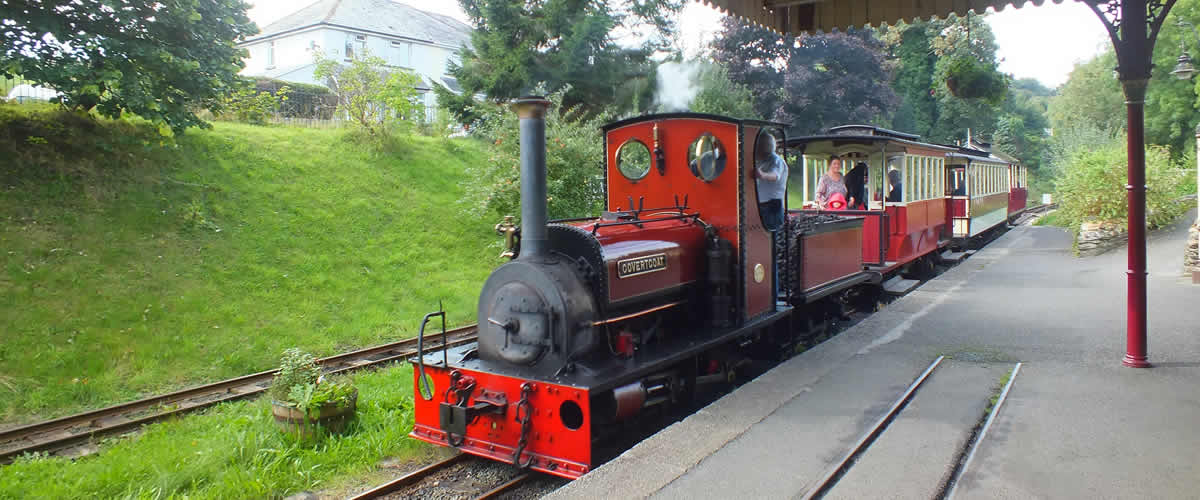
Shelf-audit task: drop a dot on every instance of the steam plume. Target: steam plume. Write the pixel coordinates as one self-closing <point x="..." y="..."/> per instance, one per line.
<point x="678" y="84"/>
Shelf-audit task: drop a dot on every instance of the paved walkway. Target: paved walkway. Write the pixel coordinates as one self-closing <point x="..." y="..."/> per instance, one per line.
<point x="1076" y="424"/>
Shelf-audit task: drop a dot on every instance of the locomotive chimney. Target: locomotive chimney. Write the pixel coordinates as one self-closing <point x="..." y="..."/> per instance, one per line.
<point x="532" y="112"/>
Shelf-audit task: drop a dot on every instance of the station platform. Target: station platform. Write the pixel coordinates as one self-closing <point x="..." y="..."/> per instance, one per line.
<point x="1075" y="422"/>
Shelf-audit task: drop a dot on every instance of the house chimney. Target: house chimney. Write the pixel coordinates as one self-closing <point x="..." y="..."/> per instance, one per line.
<point x="532" y="112"/>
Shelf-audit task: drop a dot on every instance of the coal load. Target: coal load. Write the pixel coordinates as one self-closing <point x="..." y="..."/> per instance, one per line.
<point x="787" y="248"/>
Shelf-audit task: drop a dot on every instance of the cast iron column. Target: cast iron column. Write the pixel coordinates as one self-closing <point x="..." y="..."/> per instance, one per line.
<point x="1133" y="27"/>
<point x="1135" y="337"/>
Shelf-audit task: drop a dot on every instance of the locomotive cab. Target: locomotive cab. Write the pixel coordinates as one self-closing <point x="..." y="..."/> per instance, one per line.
<point x="690" y="163"/>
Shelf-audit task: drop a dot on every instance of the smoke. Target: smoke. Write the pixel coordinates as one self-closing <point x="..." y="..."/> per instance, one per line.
<point x="678" y="84"/>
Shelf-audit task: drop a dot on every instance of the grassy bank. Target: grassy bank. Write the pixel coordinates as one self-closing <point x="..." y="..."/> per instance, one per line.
<point x="130" y="267"/>
<point x="233" y="451"/>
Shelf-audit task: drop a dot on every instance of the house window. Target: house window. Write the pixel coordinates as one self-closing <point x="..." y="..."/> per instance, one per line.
<point x="401" y="54"/>
<point x="271" y="54"/>
<point x="356" y="44"/>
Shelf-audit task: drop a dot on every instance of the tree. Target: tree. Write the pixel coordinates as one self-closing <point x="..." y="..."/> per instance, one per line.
<point x="913" y="81"/>
<point x="574" y="162"/>
<point x="1091" y="97"/>
<point x="372" y="95"/>
<point x="160" y="60"/>
<point x="563" y="44"/>
<point x="951" y="39"/>
<point x="813" y="81"/>
<point x="927" y="54"/>
<point x="720" y="95"/>
<point x="1022" y="124"/>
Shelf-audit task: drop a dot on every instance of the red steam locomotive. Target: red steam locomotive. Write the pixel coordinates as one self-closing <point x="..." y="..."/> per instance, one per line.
<point x="669" y="291"/>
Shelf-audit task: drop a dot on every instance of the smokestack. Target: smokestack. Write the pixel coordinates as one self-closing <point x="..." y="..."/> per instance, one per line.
<point x="532" y="112"/>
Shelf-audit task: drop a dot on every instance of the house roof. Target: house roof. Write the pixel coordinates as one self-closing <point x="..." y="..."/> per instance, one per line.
<point x="378" y="16"/>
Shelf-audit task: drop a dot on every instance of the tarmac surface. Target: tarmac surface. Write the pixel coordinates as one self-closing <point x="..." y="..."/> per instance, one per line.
<point x="1076" y="424"/>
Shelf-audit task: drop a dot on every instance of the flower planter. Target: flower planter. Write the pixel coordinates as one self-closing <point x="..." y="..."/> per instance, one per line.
<point x="332" y="417"/>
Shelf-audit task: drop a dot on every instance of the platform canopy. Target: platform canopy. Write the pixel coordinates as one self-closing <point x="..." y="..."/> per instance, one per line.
<point x="800" y="16"/>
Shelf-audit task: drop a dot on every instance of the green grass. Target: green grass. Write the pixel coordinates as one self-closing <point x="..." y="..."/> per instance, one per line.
<point x="1050" y="219"/>
<point x="233" y="450"/>
<point x="128" y="267"/>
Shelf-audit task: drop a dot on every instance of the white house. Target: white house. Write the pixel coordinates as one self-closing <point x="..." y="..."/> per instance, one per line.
<point x="404" y="36"/>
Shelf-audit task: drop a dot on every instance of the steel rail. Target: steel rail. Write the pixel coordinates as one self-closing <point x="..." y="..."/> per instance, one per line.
<point x="67" y="432"/>
<point x="515" y="482"/>
<point x="842" y="466"/>
<point x="962" y="471"/>
<point x="410" y="478"/>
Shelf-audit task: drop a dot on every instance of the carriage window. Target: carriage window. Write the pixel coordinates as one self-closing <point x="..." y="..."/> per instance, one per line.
<point x="909" y="177"/>
<point x="633" y="160"/>
<point x="926" y="176"/>
<point x="814" y="168"/>
<point x="706" y="157"/>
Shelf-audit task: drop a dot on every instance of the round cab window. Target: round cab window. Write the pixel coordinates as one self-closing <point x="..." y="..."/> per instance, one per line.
<point x="706" y="157"/>
<point x="633" y="159"/>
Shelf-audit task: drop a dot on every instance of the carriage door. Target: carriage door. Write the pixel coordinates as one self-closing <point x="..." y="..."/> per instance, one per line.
<point x="959" y="199"/>
<point x="757" y="251"/>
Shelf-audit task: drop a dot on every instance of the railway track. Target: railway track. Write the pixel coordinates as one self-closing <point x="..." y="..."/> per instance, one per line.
<point x="414" y="484"/>
<point x="72" y="434"/>
<point x="1033" y="213"/>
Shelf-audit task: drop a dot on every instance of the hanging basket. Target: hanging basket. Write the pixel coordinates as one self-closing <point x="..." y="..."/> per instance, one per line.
<point x="969" y="78"/>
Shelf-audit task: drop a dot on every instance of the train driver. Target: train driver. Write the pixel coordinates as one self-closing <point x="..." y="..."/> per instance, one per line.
<point x="771" y="174"/>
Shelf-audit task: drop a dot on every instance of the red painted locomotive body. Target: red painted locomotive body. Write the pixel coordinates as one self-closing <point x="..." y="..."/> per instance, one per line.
<point x="632" y="311"/>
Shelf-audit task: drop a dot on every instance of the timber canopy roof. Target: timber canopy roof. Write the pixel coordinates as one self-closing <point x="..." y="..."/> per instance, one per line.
<point x="800" y="16"/>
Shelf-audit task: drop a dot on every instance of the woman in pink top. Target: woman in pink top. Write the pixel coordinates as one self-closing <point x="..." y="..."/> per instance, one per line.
<point x="831" y="182"/>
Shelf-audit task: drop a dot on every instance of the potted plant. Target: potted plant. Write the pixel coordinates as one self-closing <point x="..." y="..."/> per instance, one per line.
<point x="302" y="400"/>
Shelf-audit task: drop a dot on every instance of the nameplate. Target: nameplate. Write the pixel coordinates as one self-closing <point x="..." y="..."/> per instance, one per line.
<point x="641" y="265"/>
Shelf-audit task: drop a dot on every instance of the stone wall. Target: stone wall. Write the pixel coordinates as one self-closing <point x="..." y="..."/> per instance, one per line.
<point x="1096" y="238"/>
<point x="1191" y="259"/>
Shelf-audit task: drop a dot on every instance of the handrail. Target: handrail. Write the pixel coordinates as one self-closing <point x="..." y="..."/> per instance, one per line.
<point x="423" y="380"/>
<point x="639" y="222"/>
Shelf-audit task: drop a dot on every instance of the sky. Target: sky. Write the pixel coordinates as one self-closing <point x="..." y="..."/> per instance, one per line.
<point x="1042" y="42"/>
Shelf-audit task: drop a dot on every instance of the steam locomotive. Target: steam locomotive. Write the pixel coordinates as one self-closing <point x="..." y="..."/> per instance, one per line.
<point x="673" y="289"/>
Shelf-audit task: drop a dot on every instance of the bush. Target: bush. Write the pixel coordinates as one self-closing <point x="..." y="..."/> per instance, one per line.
<point x="255" y="107"/>
<point x="272" y="85"/>
<point x="574" y="163"/>
<point x="376" y="98"/>
<point x="1091" y="186"/>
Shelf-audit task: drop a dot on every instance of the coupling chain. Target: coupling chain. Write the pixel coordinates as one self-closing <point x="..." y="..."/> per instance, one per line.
<point x="524" y="418"/>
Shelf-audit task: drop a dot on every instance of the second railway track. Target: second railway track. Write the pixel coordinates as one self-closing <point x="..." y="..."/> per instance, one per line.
<point x="72" y="432"/>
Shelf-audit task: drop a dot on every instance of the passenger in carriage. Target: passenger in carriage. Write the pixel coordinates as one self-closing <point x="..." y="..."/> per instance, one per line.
<point x="831" y="183"/>
<point x="856" y="187"/>
<point x="895" y="194"/>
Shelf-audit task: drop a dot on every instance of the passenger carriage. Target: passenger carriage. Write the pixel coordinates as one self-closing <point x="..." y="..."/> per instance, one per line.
<point x="895" y="233"/>
<point x="983" y="191"/>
